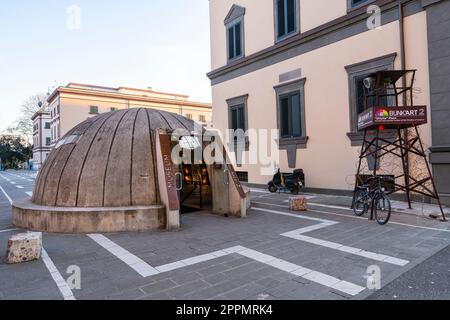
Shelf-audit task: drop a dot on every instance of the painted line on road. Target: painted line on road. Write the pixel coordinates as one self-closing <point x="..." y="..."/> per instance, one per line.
<point x="20" y="187"/>
<point x="298" y="235"/>
<point x="30" y="193"/>
<point x="137" y="264"/>
<point x="355" y="217"/>
<point x="299" y="271"/>
<point x="6" y="195"/>
<point x="57" y="277"/>
<point x="8" y="230"/>
<point x="311" y="275"/>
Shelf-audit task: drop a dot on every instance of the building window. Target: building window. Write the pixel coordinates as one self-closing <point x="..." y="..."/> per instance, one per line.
<point x="235" y="41"/>
<point x="351" y="4"/>
<point x="291" y="114"/>
<point x="238" y="119"/>
<point x="93" y="110"/>
<point x="113" y="109"/>
<point x="48" y="141"/>
<point x="242" y="175"/>
<point x="234" y="23"/>
<point x="47" y="125"/>
<point x="237" y="115"/>
<point x="356" y="74"/>
<point x="57" y="109"/>
<point x="189" y="116"/>
<point x="286" y="18"/>
<point x="202" y="118"/>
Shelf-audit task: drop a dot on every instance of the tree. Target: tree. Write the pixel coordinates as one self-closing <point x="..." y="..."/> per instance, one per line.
<point x="14" y="150"/>
<point x="24" y="124"/>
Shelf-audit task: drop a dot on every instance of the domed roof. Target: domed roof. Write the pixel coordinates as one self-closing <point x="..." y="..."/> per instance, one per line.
<point x="106" y="161"/>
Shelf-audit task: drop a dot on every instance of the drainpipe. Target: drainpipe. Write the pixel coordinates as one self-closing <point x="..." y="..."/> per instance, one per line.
<point x="402" y="45"/>
<point x="404" y="95"/>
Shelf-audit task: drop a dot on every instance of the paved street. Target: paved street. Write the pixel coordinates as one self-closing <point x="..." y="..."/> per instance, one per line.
<point x="273" y="254"/>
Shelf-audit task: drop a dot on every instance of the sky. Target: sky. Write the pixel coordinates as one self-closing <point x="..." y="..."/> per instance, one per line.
<point x="136" y="43"/>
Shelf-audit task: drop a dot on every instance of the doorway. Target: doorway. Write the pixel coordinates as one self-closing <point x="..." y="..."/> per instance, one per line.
<point x="195" y="193"/>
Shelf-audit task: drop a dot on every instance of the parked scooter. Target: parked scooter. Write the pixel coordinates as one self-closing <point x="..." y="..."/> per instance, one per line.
<point x="287" y="182"/>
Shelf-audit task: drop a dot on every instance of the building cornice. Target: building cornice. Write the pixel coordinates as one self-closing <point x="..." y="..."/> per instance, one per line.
<point x="336" y="30"/>
<point x="117" y="95"/>
<point x="39" y="113"/>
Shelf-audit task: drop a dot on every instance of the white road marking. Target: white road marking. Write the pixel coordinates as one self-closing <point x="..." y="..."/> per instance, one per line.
<point x="30" y="193"/>
<point x="59" y="280"/>
<point x="314" y="276"/>
<point x="146" y="270"/>
<point x="8" y="230"/>
<point x="140" y="266"/>
<point x="57" y="277"/>
<point x="355" y="217"/>
<point x="298" y="235"/>
<point x="12" y="182"/>
<point x="19" y="187"/>
<point x="6" y="195"/>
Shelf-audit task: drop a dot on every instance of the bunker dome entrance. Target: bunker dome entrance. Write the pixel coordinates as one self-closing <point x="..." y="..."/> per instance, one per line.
<point x="114" y="172"/>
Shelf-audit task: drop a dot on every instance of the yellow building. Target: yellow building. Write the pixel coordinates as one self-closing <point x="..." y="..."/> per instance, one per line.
<point x="74" y="103"/>
<point x="298" y="66"/>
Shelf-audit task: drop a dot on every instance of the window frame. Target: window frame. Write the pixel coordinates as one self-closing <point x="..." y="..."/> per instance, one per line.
<point x="233" y="104"/>
<point x="235" y="16"/>
<point x="276" y="22"/>
<point x="352" y="7"/>
<point x="358" y="70"/>
<point x="91" y="108"/>
<point x="282" y="90"/>
<point x="232" y="25"/>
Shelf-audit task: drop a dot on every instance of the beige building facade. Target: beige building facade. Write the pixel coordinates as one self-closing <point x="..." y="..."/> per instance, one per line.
<point x="298" y="66"/>
<point x="74" y="103"/>
<point x="41" y="137"/>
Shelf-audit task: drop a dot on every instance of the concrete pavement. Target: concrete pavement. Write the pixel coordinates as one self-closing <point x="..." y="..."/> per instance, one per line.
<point x="273" y="254"/>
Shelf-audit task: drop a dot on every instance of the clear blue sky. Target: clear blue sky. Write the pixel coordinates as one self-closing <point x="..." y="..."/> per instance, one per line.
<point x="141" y="43"/>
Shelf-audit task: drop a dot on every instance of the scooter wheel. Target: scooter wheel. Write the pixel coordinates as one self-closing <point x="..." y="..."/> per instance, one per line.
<point x="273" y="189"/>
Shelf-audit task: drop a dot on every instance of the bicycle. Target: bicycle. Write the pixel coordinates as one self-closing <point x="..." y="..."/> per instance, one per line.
<point x="376" y="197"/>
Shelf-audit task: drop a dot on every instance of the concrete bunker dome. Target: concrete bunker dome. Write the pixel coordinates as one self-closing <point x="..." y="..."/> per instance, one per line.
<point x="106" y="161"/>
<point x="110" y="174"/>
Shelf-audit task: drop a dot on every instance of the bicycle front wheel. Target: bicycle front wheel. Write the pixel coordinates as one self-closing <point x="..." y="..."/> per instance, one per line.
<point x="382" y="208"/>
<point x="360" y="206"/>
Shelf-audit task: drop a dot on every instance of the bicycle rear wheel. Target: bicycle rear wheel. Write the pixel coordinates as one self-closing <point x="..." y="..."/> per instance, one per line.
<point x="382" y="209"/>
<point x="360" y="206"/>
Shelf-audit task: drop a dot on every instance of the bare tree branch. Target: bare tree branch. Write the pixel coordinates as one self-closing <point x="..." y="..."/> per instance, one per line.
<point x="24" y="125"/>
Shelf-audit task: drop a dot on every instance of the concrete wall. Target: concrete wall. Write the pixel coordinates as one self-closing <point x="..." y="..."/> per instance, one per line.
<point x="438" y="14"/>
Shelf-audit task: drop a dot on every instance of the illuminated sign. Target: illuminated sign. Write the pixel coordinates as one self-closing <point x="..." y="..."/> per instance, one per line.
<point x="392" y="117"/>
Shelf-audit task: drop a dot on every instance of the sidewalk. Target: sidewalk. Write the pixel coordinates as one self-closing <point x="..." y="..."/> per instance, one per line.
<point x="344" y="202"/>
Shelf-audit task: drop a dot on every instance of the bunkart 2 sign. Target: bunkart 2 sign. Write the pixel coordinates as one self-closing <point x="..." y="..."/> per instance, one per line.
<point x="392" y="116"/>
